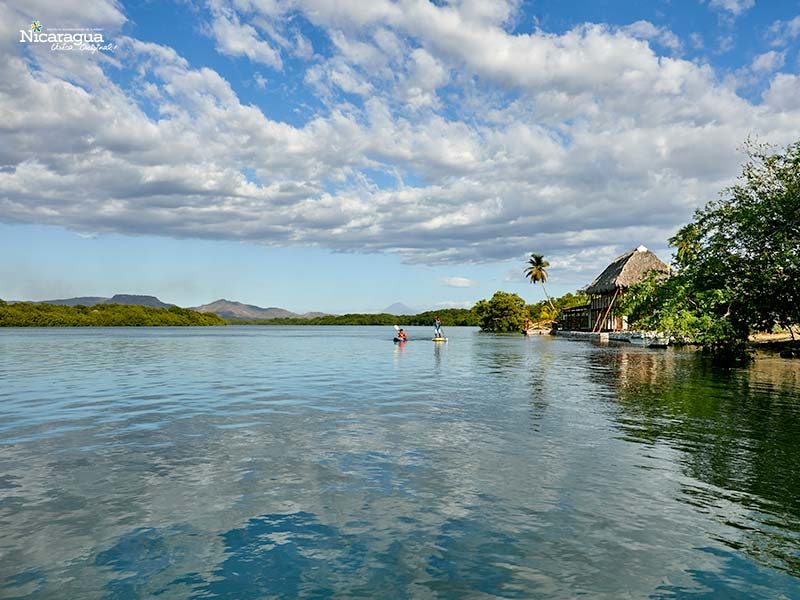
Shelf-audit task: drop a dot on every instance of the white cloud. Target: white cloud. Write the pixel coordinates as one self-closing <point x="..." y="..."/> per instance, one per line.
<point x="458" y="282"/>
<point x="107" y="14"/>
<point x="337" y="74"/>
<point x="760" y="68"/>
<point x="567" y="144"/>
<point x="784" y="93"/>
<point x="725" y="44"/>
<point x="647" y="31"/>
<point x="734" y="7"/>
<point x="303" y="48"/>
<point x="234" y="38"/>
<point x="425" y="76"/>
<point x="768" y="62"/>
<point x="782" y="33"/>
<point x="452" y="304"/>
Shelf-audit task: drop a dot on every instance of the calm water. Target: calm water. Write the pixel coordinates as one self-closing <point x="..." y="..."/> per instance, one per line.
<point x="249" y="462"/>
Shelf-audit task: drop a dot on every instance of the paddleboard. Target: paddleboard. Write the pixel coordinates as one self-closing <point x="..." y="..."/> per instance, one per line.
<point x="442" y="339"/>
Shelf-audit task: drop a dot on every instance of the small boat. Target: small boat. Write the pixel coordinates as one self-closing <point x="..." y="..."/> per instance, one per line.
<point x="400" y="340"/>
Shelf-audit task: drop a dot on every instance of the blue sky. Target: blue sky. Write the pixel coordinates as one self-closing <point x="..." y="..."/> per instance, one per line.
<point x="322" y="155"/>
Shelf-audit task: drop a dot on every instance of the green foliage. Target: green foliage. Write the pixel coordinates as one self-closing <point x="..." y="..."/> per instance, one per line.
<point x="536" y="272"/>
<point x="550" y="311"/>
<point x="505" y="312"/>
<point x="449" y="316"/>
<point x="29" y="314"/>
<point x="737" y="264"/>
<point x="678" y="308"/>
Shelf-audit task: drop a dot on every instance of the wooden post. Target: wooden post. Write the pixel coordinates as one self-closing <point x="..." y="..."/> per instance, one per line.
<point x="597" y="320"/>
<point x="605" y="315"/>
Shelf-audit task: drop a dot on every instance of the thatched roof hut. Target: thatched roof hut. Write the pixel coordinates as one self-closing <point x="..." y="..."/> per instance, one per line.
<point x="626" y="270"/>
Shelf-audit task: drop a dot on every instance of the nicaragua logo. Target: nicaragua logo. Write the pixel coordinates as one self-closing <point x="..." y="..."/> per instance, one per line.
<point x="88" y="40"/>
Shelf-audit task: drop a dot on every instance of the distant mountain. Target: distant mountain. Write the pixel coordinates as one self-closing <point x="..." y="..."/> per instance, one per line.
<point x="137" y="300"/>
<point x="127" y="299"/>
<point x="398" y="308"/>
<point x="228" y="309"/>
<point x="83" y="300"/>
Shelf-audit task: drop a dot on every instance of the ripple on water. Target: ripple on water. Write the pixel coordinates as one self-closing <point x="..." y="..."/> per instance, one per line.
<point x="262" y="462"/>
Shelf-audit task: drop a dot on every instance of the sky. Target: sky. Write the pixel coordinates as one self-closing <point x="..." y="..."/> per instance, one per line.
<point x="342" y="155"/>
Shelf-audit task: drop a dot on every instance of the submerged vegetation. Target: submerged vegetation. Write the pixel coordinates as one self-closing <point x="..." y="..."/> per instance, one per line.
<point x="737" y="264"/>
<point x="29" y="314"/>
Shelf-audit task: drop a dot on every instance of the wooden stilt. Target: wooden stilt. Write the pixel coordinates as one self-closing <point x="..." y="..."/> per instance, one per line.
<point x="598" y="324"/>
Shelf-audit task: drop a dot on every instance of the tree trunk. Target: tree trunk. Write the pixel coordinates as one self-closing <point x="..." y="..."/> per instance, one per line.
<point x="548" y="300"/>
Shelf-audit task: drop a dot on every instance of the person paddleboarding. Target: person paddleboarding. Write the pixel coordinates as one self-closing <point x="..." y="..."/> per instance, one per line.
<point x="437" y="329"/>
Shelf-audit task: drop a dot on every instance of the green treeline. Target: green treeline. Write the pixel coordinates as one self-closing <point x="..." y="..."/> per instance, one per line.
<point x="450" y="317"/>
<point x="502" y="313"/>
<point x="29" y="314"/>
<point x="505" y="312"/>
<point x="737" y="264"/>
<point x="543" y="311"/>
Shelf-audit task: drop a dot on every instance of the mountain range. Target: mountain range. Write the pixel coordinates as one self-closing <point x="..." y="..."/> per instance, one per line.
<point x="129" y="299"/>
<point x="227" y="309"/>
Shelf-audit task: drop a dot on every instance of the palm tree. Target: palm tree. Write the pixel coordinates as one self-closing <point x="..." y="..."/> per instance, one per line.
<point x="537" y="273"/>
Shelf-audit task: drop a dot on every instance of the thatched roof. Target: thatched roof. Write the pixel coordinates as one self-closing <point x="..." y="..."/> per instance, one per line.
<point x="626" y="270"/>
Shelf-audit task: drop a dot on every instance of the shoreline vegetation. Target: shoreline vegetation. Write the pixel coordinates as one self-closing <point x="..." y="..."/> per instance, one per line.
<point x="30" y="314"/>
<point x="736" y="269"/>
<point x="450" y="317"/>
<point x="37" y="314"/>
<point x="503" y="313"/>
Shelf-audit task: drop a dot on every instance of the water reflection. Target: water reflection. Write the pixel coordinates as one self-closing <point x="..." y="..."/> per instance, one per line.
<point x="736" y="432"/>
<point x="257" y="462"/>
<point x="286" y="556"/>
<point x="142" y="560"/>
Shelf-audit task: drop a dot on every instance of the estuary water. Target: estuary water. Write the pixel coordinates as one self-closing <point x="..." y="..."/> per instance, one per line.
<point x="271" y="462"/>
